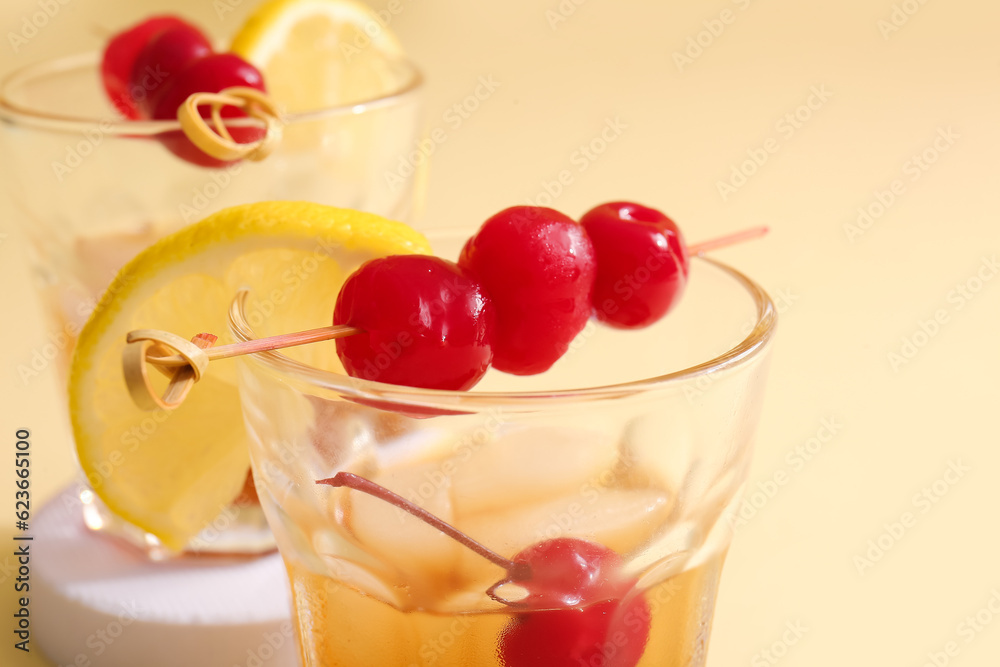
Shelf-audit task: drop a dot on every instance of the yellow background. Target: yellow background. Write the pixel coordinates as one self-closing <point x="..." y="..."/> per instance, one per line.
<point x="848" y="300"/>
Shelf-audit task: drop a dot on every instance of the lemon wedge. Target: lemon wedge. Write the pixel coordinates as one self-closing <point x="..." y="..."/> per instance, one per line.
<point x="172" y="472"/>
<point x="320" y="53"/>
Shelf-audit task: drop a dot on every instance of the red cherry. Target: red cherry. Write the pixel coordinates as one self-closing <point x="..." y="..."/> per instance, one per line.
<point x="427" y="322"/>
<point x="120" y="55"/>
<point x="567" y="572"/>
<point x="161" y="60"/>
<point x="538" y="267"/>
<point x="642" y="263"/>
<point x="576" y="609"/>
<point x="210" y="74"/>
<point x="575" y="612"/>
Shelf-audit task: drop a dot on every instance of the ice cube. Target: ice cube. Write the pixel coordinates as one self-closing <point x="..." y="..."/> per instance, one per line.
<point x="527" y="466"/>
<point x="658" y="450"/>
<point x="419" y="552"/>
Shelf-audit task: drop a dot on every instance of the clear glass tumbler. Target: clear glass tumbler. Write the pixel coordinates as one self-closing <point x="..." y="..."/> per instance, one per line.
<point x="90" y="190"/>
<point x="636" y="441"/>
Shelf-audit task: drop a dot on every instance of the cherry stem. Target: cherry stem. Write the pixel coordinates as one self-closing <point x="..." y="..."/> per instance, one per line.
<point x="516" y="571"/>
<point x="263" y="344"/>
<point x="728" y="239"/>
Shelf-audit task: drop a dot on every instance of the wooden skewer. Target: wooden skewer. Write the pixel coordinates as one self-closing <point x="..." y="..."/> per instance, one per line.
<point x="138" y="352"/>
<point x="262" y="344"/>
<point x="339" y="331"/>
<point x="728" y="239"/>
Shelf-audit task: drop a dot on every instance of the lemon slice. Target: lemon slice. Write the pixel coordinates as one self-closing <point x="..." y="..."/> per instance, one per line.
<point x="172" y="472"/>
<point x="320" y="53"/>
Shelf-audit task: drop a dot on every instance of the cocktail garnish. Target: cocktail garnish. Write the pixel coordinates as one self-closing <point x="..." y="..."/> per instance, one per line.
<point x="219" y="143"/>
<point x="164" y="69"/>
<point x="422" y="321"/>
<point x="574" y="596"/>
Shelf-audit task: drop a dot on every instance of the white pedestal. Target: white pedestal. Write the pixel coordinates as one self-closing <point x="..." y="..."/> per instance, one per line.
<point x="98" y="602"/>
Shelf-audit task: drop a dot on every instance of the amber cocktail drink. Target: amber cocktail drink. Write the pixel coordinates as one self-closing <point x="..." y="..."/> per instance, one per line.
<point x="631" y="449"/>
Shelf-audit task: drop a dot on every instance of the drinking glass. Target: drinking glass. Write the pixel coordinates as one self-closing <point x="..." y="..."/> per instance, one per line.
<point x="639" y="441"/>
<point x="90" y="190"/>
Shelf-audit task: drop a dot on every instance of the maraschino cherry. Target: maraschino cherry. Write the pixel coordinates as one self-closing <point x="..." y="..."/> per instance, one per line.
<point x="150" y="69"/>
<point x="538" y="267"/>
<point x="210" y="74"/>
<point x="642" y="263"/>
<point x="119" y="59"/>
<point x="426" y="322"/>
<point x="161" y="61"/>
<point x="577" y="615"/>
<point x="575" y="606"/>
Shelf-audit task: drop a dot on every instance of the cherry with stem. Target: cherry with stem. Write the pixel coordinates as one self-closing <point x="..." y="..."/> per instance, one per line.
<point x="575" y="594"/>
<point x="517" y="571"/>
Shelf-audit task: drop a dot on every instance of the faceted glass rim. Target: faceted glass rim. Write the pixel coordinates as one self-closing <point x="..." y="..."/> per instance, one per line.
<point x="114" y="125"/>
<point x="752" y="346"/>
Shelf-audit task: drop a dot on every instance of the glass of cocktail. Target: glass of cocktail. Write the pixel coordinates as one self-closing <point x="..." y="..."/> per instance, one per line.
<point x="624" y="459"/>
<point x="91" y="189"/>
